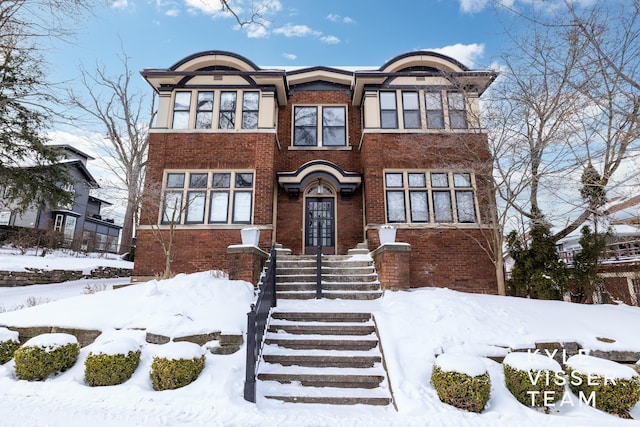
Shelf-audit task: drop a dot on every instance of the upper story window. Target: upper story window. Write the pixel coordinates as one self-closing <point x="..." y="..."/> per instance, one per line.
<point x="208" y="197"/>
<point x="215" y="109"/>
<point x="204" y="110"/>
<point x="457" y="114"/>
<point x="411" y="110"/>
<point x="332" y="128"/>
<point x="429" y="197"/>
<point x="388" y="110"/>
<point x="433" y="107"/>
<point x="442" y="110"/>
<point x="181" y="107"/>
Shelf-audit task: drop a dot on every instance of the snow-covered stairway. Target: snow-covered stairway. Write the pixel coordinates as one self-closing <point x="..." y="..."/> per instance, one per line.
<point x="323" y="357"/>
<point x="343" y="277"/>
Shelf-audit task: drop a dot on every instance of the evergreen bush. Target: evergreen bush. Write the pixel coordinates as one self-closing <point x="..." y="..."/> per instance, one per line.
<point x="542" y="381"/>
<point x="464" y="391"/>
<point x="615" y="392"/>
<point x="110" y="369"/>
<point x="7" y="349"/>
<point x="45" y="355"/>
<point x="176" y="365"/>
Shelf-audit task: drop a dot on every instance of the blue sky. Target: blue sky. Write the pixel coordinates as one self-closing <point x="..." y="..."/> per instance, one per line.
<point x="156" y="34"/>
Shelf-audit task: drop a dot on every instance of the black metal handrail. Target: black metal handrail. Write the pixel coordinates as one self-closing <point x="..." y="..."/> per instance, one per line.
<point x="319" y="262"/>
<point x="257" y="324"/>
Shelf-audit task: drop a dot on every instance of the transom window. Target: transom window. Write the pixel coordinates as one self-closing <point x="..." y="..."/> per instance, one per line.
<point x="435" y="106"/>
<point x="215" y="109"/>
<point x="331" y="131"/>
<point x="208" y="197"/>
<point x="429" y="197"/>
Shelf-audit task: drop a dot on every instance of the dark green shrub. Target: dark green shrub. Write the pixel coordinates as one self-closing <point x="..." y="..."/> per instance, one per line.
<point x="35" y="361"/>
<point x="534" y="379"/>
<point x="7" y="349"/>
<point x="610" y="392"/>
<point x="461" y="390"/>
<point x="169" y="374"/>
<point x="110" y="369"/>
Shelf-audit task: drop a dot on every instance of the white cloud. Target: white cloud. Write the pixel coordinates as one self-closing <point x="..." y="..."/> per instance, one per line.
<point x="468" y="54"/>
<point x="290" y="30"/>
<point x="330" y="39"/>
<point x="290" y="56"/>
<point x="337" y="18"/>
<point x="172" y="12"/>
<point x="120" y="4"/>
<point x="256" y="31"/>
<point x="473" y="6"/>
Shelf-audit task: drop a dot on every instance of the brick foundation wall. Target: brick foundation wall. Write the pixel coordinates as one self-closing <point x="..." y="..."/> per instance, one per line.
<point x="446" y="258"/>
<point x="393" y="264"/>
<point x="246" y="263"/>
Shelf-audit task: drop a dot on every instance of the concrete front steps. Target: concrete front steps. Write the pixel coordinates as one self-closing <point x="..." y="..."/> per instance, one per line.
<point x="342" y="277"/>
<point x="323" y="358"/>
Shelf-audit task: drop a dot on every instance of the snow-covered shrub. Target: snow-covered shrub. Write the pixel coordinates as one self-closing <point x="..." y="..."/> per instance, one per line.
<point x="45" y="355"/>
<point x="8" y="344"/>
<point x="613" y="388"/>
<point x="113" y="362"/>
<point x="534" y="379"/>
<point x="176" y="365"/>
<point x="461" y="381"/>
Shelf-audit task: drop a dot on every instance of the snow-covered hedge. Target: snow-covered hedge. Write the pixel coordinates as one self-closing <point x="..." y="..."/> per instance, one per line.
<point x="176" y="365"/>
<point x="8" y="344"/>
<point x="45" y="355"/>
<point x="534" y="380"/>
<point x="611" y="387"/>
<point x="461" y="381"/>
<point x="113" y="362"/>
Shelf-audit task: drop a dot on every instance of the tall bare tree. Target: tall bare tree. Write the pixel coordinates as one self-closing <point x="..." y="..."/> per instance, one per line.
<point x="126" y="116"/>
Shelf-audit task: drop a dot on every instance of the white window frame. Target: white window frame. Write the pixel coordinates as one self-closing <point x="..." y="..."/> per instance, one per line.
<point x="320" y="126"/>
<point x="410" y="188"/>
<point x="236" y="191"/>
<point x="194" y="109"/>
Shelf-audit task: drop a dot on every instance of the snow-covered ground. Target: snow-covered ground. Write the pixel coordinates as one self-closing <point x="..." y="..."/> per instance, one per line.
<point x="414" y="326"/>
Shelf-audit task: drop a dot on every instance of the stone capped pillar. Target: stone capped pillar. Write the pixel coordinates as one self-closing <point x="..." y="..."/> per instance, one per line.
<point x="246" y="263"/>
<point x="393" y="265"/>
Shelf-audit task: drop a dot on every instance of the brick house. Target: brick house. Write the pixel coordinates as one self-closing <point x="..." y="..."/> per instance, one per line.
<point x="236" y="145"/>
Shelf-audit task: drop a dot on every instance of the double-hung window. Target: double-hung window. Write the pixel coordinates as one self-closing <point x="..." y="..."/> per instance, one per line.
<point x="411" y="110"/>
<point x="204" y="110"/>
<point x="332" y="127"/>
<point x="208" y="197"/>
<point x="388" y="110"/>
<point x="181" y="107"/>
<point x="423" y="197"/>
<point x="250" y="104"/>
<point x="457" y="113"/>
<point x="433" y="107"/>
<point x="227" y="115"/>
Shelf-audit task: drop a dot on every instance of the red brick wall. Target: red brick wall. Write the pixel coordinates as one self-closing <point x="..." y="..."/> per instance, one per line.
<point x="350" y="230"/>
<point x="446" y="258"/>
<point x="204" y="249"/>
<point x="443" y="257"/>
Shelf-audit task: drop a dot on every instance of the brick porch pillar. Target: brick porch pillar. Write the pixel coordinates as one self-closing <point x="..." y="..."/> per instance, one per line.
<point x="246" y="263"/>
<point x="393" y="265"/>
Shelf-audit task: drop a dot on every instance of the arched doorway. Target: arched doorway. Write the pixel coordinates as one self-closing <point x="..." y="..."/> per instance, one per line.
<point x="319" y="218"/>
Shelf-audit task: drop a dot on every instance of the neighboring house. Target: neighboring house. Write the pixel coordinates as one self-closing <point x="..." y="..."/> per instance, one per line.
<point x="620" y="264"/>
<point x="236" y="145"/>
<point x="80" y="223"/>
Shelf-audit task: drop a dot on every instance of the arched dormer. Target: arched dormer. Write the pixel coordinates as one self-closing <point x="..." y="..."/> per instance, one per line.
<point x="423" y="59"/>
<point x="214" y="59"/>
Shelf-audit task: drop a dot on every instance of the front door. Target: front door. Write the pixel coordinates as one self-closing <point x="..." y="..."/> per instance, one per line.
<point x="319" y="225"/>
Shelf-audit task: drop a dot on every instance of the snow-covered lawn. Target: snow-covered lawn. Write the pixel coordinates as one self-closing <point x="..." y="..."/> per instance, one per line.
<point x="414" y="326"/>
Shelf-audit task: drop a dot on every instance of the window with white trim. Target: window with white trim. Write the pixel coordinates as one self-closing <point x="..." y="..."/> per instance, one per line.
<point x="411" y="110"/>
<point x="422" y="196"/>
<point x="208" y="197"/>
<point x="216" y="109"/>
<point x="388" y="110"/>
<point x="433" y="107"/>
<point x="457" y="111"/>
<point x="332" y="129"/>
